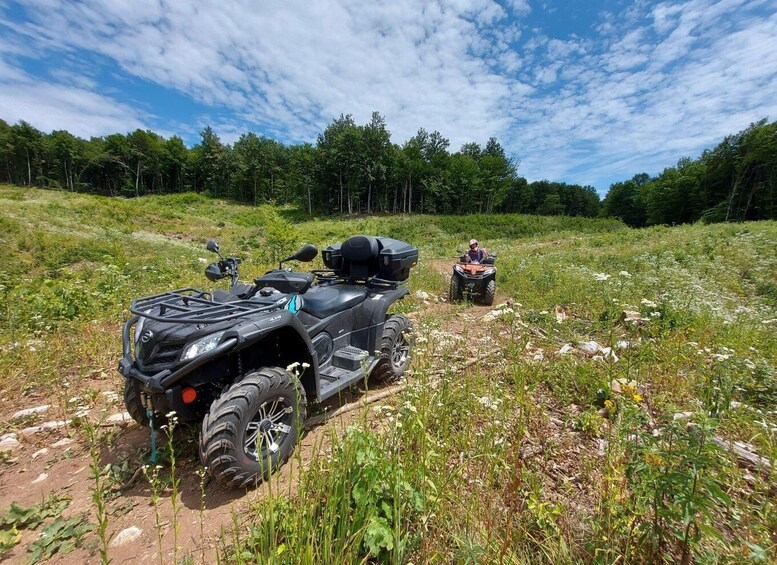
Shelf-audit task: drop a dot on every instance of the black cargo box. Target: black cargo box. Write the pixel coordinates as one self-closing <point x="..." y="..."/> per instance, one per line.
<point x="395" y="259"/>
<point x="366" y="256"/>
<point x="333" y="259"/>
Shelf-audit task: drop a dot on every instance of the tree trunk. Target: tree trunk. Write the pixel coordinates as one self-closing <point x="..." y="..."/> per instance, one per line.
<point x="369" y="196"/>
<point x="410" y="197"/>
<point x="750" y="200"/>
<point x="733" y="193"/>
<point x="341" y="190"/>
<point x="137" y="180"/>
<point x="29" y="168"/>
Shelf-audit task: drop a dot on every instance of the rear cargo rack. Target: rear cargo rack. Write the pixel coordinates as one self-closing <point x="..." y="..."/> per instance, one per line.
<point x="194" y="306"/>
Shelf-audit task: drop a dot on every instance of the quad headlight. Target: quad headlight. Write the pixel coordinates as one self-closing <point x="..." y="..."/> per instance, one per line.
<point x="202" y="345"/>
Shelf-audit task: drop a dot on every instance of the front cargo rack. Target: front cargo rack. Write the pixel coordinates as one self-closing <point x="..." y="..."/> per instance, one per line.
<point x="194" y="306"/>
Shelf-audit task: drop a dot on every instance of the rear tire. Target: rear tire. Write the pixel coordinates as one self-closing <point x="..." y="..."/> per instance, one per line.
<point x="454" y="295"/>
<point x="395" y="349"/>
<point x="253" y="427"/>
<point x="488" y="295"/>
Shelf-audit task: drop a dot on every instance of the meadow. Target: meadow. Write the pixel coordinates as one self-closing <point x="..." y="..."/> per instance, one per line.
<point x="595" y="415"/>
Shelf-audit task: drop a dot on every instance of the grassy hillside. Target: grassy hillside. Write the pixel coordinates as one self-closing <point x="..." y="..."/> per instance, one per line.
<point x="548" y="448"/>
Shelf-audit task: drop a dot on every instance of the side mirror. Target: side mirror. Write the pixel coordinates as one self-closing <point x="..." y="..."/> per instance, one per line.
<point x="212" y="246"/>
<point x="307" y="253"/>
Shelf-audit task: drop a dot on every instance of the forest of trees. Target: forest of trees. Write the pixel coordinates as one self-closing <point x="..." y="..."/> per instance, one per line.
<point x="357" y="169"/>
<point x="735" y="181"/>
<point x="351" y="169"/>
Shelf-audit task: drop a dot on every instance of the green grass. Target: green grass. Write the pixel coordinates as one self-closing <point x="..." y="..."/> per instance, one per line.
<point x="528" y="456"/>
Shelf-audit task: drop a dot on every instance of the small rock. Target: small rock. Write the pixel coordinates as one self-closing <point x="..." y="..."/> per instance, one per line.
<point x="622" y="344"/>
<point x="601" y="447"/>
<point x="630" y="316"/>
<point x="42" y="477"/>
<point x="618" y="385"/>
<point x="565" y="349"/>
<point x="110" y="395"/>
<point x="30" y="411"/>
<point x="64" y="442"/>
<point x="589" y="346"/>
<point x="9" y="434"/>
<point x="9" y="444"/>
<point x="420" y="294"/>
<point x="44" y="427"/>
<point x="682" y="416"/>
<point x="118" y="419"/>
<point x="39" y="453"/>
<point x="127" y="535"/>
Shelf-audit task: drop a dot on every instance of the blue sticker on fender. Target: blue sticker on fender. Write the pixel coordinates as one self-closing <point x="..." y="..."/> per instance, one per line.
<point x="293" y="304"/>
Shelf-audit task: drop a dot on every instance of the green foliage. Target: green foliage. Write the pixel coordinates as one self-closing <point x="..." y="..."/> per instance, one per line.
<point x="360" y="507"/>
<point x="32" y="517"/>
<point x="60" y="537"/>
<point x="18" y="517"/>
<point x="676" y="497"/>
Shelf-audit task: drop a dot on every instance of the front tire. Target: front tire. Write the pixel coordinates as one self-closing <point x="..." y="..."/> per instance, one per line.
<point x="488" y="295"/>
<point x="395" y="349"/>
<point x="455" y="291"/>
<point x="134" y="403"/>
<point x="253" y="427"/>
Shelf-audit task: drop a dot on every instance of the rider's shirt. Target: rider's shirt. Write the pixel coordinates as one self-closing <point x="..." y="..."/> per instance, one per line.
<point x="476" y="254"/>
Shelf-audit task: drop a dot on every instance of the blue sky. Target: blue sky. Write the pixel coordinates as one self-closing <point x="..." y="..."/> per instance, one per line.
<point x="581" y="91"/>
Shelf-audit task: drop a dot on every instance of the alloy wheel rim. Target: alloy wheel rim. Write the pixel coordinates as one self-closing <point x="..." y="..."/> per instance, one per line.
<point x="269" y="427"/>
<point x="401" y="351"/>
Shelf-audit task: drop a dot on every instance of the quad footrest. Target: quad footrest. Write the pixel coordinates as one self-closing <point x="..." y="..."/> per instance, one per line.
<point x="348" y="367"/>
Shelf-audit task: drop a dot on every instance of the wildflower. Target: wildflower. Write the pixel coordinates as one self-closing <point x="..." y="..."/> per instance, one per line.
<point x="648" y="303"/>
<point x="655" y="314"/>
<point x="637" y="397"/>
<point x="654" y="460"/>
<point x="625" y="274"/>
<point x="601" y="276"/>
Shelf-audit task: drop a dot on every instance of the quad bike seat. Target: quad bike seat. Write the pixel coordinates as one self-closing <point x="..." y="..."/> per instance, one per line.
<point x="323" y="301"/>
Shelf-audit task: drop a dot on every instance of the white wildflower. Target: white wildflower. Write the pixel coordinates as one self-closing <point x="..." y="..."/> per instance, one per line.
<point x="625" y="274"/>
<point x="601" y="276"/>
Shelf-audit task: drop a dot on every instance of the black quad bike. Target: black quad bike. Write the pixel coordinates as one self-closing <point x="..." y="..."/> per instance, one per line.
<point x="476" y="281"/>
<point x="244" y="362"/>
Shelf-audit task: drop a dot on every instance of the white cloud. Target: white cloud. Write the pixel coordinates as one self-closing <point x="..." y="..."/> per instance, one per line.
<point x="653" y="82"/>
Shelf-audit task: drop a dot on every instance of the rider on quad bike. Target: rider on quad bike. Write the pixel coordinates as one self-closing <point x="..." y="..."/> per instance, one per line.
<point x="474" y="274"/>
<point x="476" y="254"/>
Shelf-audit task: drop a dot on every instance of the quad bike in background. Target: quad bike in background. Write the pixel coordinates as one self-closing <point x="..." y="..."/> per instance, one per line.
<point x="473" y="280"/>
<point x="244" y="362"/>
